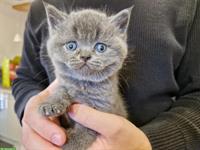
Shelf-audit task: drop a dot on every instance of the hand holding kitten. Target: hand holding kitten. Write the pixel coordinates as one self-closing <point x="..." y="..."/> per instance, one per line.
<point x="39" y="132"/>
<point x="119" y="133"/>
<point x="115" y="132"/>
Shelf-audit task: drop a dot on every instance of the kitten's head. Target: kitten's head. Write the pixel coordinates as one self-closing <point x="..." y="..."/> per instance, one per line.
<point x="87" y="44"/>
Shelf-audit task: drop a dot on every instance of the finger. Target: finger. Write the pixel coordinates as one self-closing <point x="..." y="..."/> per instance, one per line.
<point x="49" y="90"/>
<point x="103" y="123"/>
<point x="47" y="129"/>
<point x="55" y="120"/>
<point x="52" y="86"/>
<point x="32" y="141"/>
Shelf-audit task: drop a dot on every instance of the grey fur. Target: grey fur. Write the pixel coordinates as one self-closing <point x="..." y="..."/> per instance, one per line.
<point x="95" y="82"/>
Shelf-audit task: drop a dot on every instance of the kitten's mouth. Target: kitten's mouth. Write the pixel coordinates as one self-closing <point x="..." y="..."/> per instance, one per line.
<point x="85" y="70"/>
<point x="86" y="66"/>
<point x="92" y="67"/>
<point x="82" y="67"/>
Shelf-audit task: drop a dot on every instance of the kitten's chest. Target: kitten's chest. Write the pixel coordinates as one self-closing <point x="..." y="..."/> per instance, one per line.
<point x="93" y="95"/>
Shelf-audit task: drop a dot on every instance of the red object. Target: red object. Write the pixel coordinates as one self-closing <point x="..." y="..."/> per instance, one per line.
<point x="12" y="67"/>
<point x="12" y="71"/>
<point x="12" y="75"/>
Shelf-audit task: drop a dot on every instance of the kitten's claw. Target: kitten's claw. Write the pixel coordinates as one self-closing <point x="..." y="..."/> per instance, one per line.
<point x="53" y="110"/>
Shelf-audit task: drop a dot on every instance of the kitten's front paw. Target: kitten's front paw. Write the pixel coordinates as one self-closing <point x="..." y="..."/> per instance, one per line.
<point x="53" y="110"/>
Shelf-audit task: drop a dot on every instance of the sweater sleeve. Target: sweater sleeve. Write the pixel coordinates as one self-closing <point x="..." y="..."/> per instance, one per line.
<point x="179" y="128"/>
<point x="31" y="76"/>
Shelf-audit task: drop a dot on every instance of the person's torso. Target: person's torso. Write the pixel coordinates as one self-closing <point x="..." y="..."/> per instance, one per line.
<point x="157" y="39"/>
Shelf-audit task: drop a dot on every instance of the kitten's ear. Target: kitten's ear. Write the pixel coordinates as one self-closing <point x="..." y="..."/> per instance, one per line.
<point x="54" y="16"/>
<point x="121" y="19"/>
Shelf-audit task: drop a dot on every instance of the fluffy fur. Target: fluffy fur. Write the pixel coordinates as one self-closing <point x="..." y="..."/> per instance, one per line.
<point x="93" y="82"/>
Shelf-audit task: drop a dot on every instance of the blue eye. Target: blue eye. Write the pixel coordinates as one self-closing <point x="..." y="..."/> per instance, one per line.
<point x="100" y="47"/>
<point x="71" y="46"/>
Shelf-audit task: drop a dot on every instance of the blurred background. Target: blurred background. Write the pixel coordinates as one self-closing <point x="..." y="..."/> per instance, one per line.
<point x="13" y="15"/>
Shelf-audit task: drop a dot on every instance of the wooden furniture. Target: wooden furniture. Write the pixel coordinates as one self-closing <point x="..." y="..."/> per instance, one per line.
<point x="22" y="7"/>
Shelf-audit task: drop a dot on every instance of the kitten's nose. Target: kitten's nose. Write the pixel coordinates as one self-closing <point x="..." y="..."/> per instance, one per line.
<point x="85" y="58"/>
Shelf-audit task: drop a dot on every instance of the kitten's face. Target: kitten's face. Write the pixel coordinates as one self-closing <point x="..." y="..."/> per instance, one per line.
<point x="87" y="44"/>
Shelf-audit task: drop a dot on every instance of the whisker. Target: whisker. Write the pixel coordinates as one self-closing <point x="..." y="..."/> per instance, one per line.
<point x="124" y="80"/>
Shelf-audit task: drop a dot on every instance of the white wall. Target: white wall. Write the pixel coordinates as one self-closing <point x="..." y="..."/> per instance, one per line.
<point x="11" y="22"/>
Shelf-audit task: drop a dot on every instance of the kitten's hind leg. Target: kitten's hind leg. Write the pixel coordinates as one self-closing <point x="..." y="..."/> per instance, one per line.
<point x="56" y="104"/>
<point x="80" y="138"/>
<point x="66" y="122"/>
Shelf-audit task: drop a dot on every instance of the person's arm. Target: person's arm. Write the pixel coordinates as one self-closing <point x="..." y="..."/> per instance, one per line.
<point x="179" y="128"/>
<point x="31" y="76"/>
<point x="30" y="89"/>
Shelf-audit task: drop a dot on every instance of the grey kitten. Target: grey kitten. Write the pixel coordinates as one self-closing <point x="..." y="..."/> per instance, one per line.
<point x="87" y="48"/>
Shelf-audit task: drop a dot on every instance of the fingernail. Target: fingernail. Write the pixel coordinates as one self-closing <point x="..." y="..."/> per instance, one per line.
<point x="56" y="139"/>
<point x="72" y="110"/>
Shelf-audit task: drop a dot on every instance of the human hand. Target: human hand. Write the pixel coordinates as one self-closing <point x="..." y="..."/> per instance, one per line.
<point x="115" y="132"/>
<point x="39" y="132"/>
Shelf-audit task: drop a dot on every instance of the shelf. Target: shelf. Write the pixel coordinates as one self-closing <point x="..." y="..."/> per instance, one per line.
<point x="22" y="7"/>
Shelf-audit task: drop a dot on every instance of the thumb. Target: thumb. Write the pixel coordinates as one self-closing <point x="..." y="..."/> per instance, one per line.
<point x="52" y="86"/>
<point x="48" y="128"/>
<point x="48" y="91"/>
<point x="104" y="123"/>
